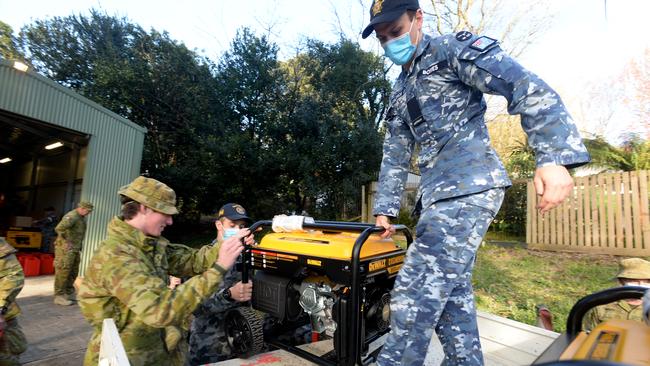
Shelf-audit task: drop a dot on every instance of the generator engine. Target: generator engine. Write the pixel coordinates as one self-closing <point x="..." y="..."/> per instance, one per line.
<point x="318" y="301"/>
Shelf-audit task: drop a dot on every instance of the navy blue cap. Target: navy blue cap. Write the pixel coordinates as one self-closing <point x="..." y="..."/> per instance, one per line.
<point x="385" y="11"/>
<point x="233" y="211"/>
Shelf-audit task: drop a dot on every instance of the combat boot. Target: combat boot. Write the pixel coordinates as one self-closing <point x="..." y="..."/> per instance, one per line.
<point x="61" y="300"/>
<point x="72" y="297"/>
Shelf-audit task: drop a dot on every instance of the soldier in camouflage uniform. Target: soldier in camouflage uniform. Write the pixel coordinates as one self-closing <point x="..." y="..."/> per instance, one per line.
<point x="128" y="276"/>
<point x="12" y="339"/>
<point x="632" y="272"/>
<point x="71" y="230"/>
<point x="437" y="103"/>
<point x="208" y="339"/>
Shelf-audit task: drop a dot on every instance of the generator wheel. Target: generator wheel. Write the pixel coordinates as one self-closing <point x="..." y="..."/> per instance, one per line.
<point x="244" y="329"/>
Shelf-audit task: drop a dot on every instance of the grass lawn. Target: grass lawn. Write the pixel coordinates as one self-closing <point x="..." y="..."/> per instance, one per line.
<point x="510" y="281"/>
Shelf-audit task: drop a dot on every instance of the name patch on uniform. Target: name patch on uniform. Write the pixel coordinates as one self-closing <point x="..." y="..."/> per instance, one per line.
<point x="435" y="67"/>
<point x="482" y="43"/>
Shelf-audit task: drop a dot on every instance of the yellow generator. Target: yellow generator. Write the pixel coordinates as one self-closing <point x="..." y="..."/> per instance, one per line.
<point x="24" y="237"/>
<point x="333" y="277"/>
<point x="613" y="342"/>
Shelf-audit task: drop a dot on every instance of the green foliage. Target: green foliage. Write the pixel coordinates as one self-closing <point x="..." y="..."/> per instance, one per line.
<point x="634" y="154"/>
<point x="511" y="282"/>
<point x="293" y="136"/>
<point x="521" y="161"/>
<point x="511" y="218"/>
<point x="8" y="43"/>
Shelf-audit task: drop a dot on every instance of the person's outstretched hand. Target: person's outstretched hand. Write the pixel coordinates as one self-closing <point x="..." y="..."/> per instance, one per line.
<point x="554" y="184"/>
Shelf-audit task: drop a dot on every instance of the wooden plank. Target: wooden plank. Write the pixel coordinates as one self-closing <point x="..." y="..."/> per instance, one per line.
<point x="531" y="217"/>
<point x="580" y="212"/>
<point x="602" y="210"/>
<point x="552" y="215"/>
<point x="644" y="203"/>
<point x="611" y="208"/>
<point x="507" y="342"/>
<point x="636" y="210"/>
<point x="559" y="214"/>
<point x="364" y="204"/>
<point x="593" y="185"/>
<point x="627" y="212"/>
<point x="566" y="239"/>
<point x="587" y="212"/>
<point x="618" y="215"/>
<point x="111" y="350"/>
<point x="547" y="228"/>
<point x="572" y="217"/>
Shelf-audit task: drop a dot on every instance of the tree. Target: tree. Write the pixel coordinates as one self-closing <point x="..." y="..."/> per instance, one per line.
<point x="274" y="136"/>
<point x="144" y="76"/>
<point x="637" y="79"/>
<point x="633" y="155"/>
<point x="340" y="93"/>
<point x="8" y="43"/>
<point x="515" y="24"/>
<point x="307" y="127"/>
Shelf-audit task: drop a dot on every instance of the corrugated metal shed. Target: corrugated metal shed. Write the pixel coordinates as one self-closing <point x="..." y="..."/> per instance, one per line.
<point x="114" y="150"/>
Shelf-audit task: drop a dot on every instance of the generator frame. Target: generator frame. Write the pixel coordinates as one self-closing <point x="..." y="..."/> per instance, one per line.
<point x="357" y="272"/>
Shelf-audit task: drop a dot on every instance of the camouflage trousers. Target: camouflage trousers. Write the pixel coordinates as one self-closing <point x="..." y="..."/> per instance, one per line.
<point x="66" y="268"/>
<point x="13" y="344"/>
<point x="433" y="289"/>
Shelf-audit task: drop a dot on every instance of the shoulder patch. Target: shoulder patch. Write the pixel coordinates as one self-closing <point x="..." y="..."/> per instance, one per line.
<point x="482" y="43"/>
<point x="463" y="36"/>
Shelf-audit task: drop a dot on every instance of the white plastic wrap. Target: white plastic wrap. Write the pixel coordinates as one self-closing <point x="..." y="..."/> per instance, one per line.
<point x="285" y="224"/>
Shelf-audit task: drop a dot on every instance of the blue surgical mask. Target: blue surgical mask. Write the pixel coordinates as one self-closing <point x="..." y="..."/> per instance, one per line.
<point x="227" y="233"/>
<point x="400" y="50"/>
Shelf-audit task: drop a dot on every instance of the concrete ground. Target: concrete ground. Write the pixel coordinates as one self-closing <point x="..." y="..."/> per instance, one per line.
<point x="57" y="335"/>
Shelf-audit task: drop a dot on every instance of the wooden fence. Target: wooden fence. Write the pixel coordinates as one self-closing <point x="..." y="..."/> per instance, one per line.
<point x="607" y="213"/>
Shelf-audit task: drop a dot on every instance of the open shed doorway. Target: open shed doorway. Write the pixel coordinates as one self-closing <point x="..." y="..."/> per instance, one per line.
<point x="41" y="168"/>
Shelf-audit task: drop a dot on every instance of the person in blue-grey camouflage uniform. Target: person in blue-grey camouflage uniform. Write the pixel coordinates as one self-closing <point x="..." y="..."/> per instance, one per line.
<point x="437" y="103"/>
<point x="47" y="225"/>
<point x="208" y="339"/>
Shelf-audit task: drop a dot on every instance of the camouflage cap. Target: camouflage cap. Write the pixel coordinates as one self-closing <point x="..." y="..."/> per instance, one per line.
<point x="87" y="205"/>
<point x="151" y="193"/>
<point x="634" y="269"/>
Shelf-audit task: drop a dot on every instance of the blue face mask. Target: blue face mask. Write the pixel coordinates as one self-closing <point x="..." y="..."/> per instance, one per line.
<point x="227" y="233"/>
<point x="400" y="50"/>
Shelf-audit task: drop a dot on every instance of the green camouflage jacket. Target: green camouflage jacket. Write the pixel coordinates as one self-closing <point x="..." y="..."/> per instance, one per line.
<point x="616" y="310"/>
<point x="127" y="280"/>
<point x="72" y="228"/>
<point x="11" y="279"/>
